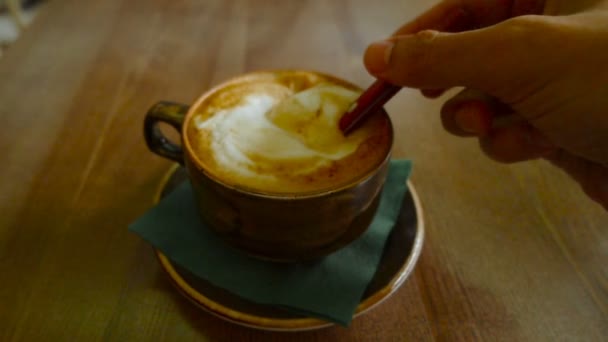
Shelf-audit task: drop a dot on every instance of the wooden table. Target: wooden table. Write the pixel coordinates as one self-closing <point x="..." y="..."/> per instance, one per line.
<point x="512" y="253"/>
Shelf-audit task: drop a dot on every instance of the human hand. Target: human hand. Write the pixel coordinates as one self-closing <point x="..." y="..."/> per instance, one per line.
<point x="536" y="86"/>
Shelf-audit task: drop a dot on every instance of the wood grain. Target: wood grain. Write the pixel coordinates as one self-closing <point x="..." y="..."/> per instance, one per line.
<point x="513" y="253"/>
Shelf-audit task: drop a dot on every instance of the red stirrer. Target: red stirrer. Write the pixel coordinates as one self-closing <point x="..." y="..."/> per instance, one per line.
<point x="372" y="99"/>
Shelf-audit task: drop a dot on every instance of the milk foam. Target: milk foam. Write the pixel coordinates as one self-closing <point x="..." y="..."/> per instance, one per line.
<point x="265" y="135"/>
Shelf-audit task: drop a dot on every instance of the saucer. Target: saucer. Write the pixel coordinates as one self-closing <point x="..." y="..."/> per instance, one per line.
<point x="399" y="257"/>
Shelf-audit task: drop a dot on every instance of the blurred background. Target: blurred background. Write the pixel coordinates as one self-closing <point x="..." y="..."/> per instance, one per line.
<point x="15" y="15"/>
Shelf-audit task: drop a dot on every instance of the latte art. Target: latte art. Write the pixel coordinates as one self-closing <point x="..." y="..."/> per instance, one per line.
<point x="313" y="115"/>
<point x="275" y="138"/>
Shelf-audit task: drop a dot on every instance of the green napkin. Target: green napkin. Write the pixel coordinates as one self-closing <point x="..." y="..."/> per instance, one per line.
<point x="330" y="288"/>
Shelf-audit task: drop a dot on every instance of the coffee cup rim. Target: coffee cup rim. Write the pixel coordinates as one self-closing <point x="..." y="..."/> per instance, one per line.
<point x="268" y="194"/>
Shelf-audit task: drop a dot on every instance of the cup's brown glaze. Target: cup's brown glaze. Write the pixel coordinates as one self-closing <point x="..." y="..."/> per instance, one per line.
<point x="278" y="227"/>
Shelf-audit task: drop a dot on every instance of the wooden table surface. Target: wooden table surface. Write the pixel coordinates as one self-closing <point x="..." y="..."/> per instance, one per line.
<point x="512" y="253"/>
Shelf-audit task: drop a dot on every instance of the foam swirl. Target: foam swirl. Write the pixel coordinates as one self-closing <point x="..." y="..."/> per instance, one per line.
<point x="279" y="136"/>
<point x="263" y="135"/>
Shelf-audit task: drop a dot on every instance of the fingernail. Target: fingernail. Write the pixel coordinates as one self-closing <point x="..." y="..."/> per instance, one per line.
<point x="468" y="120"/>
<point x="378" y="56"/>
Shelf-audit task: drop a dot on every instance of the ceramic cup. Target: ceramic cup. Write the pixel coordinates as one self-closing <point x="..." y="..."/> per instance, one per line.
<point x="278" y="227"/>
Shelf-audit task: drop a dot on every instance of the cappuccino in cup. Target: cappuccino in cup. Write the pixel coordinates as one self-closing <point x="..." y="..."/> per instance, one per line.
<point x="271" y="172"/>
<point x="279" y="134"/>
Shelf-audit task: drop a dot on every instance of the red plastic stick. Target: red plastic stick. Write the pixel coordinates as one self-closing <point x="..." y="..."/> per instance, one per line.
<point x="371" y="101"/>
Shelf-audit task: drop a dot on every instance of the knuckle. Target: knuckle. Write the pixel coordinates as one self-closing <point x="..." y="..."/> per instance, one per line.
<point x="490" y="150"/>
<point x="418" y="54"/>
<point x="504" y="148"/>
<point x="448" y="121"/>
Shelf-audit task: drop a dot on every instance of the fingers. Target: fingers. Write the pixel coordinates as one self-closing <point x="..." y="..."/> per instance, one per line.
<point x="471" y="113"/>
<point x="461" y="15"/>
<point x="471" y="118"/>
<point x="426" y="60"/>
<point x="447" y="16"/>
<point x="488" y="59"/>
<point x="431" y="60"/>
<point x="503" y="135"/>
<point x="515" y="143"/>
<point x="592" y="177"/>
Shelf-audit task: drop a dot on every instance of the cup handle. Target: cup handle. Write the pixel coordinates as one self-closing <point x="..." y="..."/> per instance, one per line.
<point x="173" y="114"/>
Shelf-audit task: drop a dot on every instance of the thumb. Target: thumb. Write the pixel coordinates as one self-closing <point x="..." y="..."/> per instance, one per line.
<point x="486" y="59"/>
